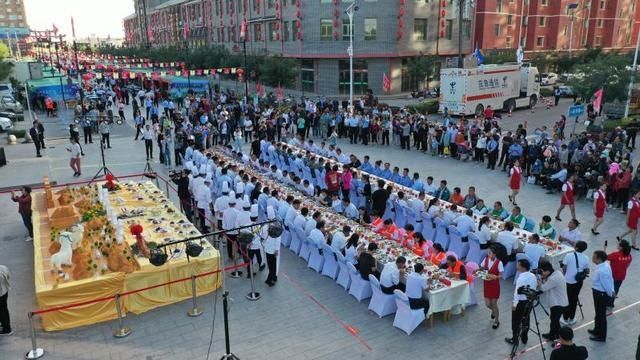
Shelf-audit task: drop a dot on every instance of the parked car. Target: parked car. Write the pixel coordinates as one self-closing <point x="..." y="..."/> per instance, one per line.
<point x="548" y="79"/>
<point x="6" y="89"/>
<point x="8" y="103"/>
<point x="5" y="123"/>
<point x="566" y="91"/>
<point x="425" y="94"/>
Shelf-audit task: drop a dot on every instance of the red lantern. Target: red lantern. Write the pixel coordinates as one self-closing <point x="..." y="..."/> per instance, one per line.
<point x="400" y="34"/>
<point x="444" y="3"/>
<point x="401" y="11"/>
<point x="298" y="24"/>
<point x="277" y="36"/>
<point x="441" y="33"/>
<point x="299" y="35"/>
<point x="442" y="23"/>
<point x="336" y="13"/>
<point x="443" y="13"/>
<point x="336" y="35"/>
<point x="336" y="23"/>
<point x="401" y="24"/>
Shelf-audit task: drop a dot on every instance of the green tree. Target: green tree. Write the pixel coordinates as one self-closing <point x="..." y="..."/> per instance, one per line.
<point x="275" y="70"/>
<point x="420" y="70"/>
<point x="5" y="65"/>
<point x="500" y="56"/>
<point x="606" y="71"/>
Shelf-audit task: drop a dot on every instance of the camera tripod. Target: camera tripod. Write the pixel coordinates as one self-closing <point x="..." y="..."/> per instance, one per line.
<point x="525" y="327"/>
<point x="104" y="170"/>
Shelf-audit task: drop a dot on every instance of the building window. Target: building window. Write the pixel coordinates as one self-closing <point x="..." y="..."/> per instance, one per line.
<point x="257" y="32"/>
<point x="598" y="41"/>
<point x="307" y="75"/>
<point x="370" y="28"/>
<point x="542" y="21"/>
<point x="603" y="4"/>
<point x="499" y="6"/>
<point x="346" y="29"/>
<point x="496" y="29"/>
<point x="508" y="43"/>
<point x="326" y="28"/>
<point x="420" y="29"/>
<point x="545" y="2"/>
<point x="360" y="76"/>
<point x="448" y="31"/>
<point x="271" y="4"/>
<point x="510" y="20"/>
<point x="287" y="30"/>
<point x="466" y="29"/>
<point x="540" y="41"/>
<point x="273" y="33"/>
<point x="600" y="23"/>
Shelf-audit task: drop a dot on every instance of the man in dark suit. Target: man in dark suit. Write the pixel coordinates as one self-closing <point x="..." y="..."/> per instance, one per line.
<point x="40" y="128"/>
<point x="35" y="136"/>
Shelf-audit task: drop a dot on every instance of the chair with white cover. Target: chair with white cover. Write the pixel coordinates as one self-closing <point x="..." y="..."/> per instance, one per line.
<point x="428" y="230"/>
<point x="442" y="236"/>
<point x="475" y="254"/>
<point x="530" y="224"/>
<point x="382" y="304"/>
<point x="389" y="212"/>
<point x="316" y="257"/>
<point x="330" y="267"/>
<point x="344" y="279"/>
<point x="456" y="245"/>
<point x="412" y="218"/>
<point x="521" y="256"/>
<point x="509" y="270"/>
<point x="305" y="248"/>
<point x="320" y="179"/>
<point x="401" y="215"/>
<point x="406" y="319"/>
<point x="287" y="237"/>
<point x="471" y="267"/>
<point x="360" y="288"/>
<point x="297" y="237"/>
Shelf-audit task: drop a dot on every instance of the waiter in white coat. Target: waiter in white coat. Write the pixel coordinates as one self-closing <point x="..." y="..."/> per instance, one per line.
<point x="229" y="217"/>
<point x="221" y="204"/>
<point x="271" y="249"/>
<point x="202" y="195"/>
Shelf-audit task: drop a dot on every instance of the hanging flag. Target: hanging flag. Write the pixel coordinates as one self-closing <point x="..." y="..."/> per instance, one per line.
<point x="185" y="28"/>
<point x="55" y="29"/>
<point x="259" y="88"/>
<point x="279" y="94"/>
<point x="243" y="30"/>
<point x="519" y="55"/>
<point x="597" y="100"/>
<point x="479" y="56"/>
<point x="386" y="83"/>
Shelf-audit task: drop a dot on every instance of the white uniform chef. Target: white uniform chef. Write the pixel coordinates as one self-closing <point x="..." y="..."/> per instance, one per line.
<point x="221" y="204"/>
<point x="271" y="249"/>
<point x="202" y="195"/>
<point x="229" y="217"/>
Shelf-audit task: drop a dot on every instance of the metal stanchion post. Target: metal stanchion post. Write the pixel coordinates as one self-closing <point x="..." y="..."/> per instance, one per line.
<point x="166" y="183"/>
<point x="158" y="181"/>
<point x="35" y="352"/>
<point x="195" y="311"/>
<point x="253" y="295"/>
<point x="235" y="273"/>
<point x="121" y="331"/>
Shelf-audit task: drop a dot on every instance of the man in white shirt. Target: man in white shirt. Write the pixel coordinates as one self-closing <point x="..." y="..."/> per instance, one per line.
<point x="520" y="320"/>
<point x="603" y="291"/>
<point x="148" y="135"/>
<point x="317" y="235"/>
<point x="229" y="222"/>
<point x="571" y="235"/>
<point x="391" y="274"/>
<point x="429" y="187"/>
<point x="416" y="284"/>
<point x="311" y="222"/>
<point x="202" y="195"/>
<point x="534" y="251"/>
<point x="572" y="264"/>
<point x="508" y="239"/>
<point x="350" y="210"/>
<point x="271" y="248"/>
<point x="465" y="224"/>
<point x="339" y="239"/>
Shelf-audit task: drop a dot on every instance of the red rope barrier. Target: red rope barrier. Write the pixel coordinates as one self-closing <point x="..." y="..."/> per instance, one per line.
<point x="126" y="293"/>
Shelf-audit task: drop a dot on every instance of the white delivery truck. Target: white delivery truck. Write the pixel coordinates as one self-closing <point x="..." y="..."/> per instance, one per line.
<point x="503" y="87"/>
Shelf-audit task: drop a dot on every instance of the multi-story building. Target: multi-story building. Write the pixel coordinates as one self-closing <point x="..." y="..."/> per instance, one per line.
<point x="557" y="25"/>
<point x="386" y="33"/>
<point x="13" y="23"/>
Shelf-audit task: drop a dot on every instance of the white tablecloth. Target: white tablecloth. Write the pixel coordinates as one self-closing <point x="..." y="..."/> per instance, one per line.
<point x="452" y="298"/>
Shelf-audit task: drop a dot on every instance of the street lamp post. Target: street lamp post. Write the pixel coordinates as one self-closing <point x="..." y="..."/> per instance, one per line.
<point x="460" y="14"/>
<point x="350" y="13"/>
<point x="633" y="76"/>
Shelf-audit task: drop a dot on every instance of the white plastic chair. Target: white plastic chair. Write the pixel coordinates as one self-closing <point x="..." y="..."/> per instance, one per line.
<point x="296" y="240"/>
<point x="360" y="288"/>
<point x="509" y="270"/>
<point x="475" y="254"/>
<point x="441" y="235"/>
<point x="305" y="249"/>
<point x="382" y="304"/>
<point x="456" y="245"/>
<point x="428" y="230"/>
<point x="316" y="259"/>
<point x="406" y="319"/>
<point x="344" y="279"/>
<point x="471" y="267"/>
<point x="330" y="267"/>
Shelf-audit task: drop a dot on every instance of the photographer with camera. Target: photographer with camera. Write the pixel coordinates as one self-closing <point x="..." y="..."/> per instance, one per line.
<point x="554" y="295"/>
<point x="603" y="291"/>
<point x="576" y="268"/>
<point x="526" y="282"/>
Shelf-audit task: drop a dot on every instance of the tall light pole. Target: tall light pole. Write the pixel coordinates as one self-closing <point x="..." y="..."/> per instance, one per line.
<point x="350" y="11"/>
<point x="633" y="76"/>
<point x="461" y="4"/>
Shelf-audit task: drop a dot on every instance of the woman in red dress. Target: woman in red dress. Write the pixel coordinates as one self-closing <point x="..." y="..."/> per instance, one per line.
<point x="515" y="179"/>
<point x="599" y="207"/>
<point x="619" y="261"/>
<point x="492" y="284"/>
<point x="568" y="198"/>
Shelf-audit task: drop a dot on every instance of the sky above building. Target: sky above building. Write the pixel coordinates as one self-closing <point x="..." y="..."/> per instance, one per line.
<point x="91" y="17"/>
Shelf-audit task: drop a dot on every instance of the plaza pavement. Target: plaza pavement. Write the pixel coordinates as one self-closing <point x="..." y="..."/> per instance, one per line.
<point x="306" y="316"/>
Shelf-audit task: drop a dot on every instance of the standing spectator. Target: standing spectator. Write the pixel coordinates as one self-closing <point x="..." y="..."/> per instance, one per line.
<point x="492" y="152"/>
<point x="86" y="130"/>
<point x="554" y="294"/>
<point x="556" y="95"/>
<point x="105" y="132"/>
<point x="76" y="154"/>
<point x="121" y="111"/>
<point x="568" y="198"/>
<point x="603" y="291"/>
<point x="24" y="209"/>
<point x="139" y="121"/>
<point x="574" y="266"/>
<point x="619" y="261"/>
<point x="519" y="319"/>
<point x="148" y="135"/>
<point x="568" y="350"/>
<point x="35" y="136"/>
<point x="40" y="137"/>
<point x="5" y="320"/>
<point x="515" y="179"/>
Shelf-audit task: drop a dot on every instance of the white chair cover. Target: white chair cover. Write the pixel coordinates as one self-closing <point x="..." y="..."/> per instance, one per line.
<point x="360" y="288"/>
<point x="382" y="304"/>
<point x="316" y="259"/>
<point x="330" y="267"/>
<point x="406" y="319"/>
<point x="475" y="254"/>
<point x="441" y="236"/>
<point x="344" y="279"/>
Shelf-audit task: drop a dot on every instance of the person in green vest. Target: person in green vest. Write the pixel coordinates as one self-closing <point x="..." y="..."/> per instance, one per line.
<point x="544" y="228"/>
<point x="498" y="212"/>
<point x="517" y="218"/>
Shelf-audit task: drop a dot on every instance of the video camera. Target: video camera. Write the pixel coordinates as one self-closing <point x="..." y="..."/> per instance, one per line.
<point x="529" y="293"/>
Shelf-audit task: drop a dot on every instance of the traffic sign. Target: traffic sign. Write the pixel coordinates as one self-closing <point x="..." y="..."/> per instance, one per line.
<point x="575" y="110"/>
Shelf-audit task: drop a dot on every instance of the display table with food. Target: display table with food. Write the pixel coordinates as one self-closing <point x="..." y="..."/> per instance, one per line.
<point x="94" y="241"/>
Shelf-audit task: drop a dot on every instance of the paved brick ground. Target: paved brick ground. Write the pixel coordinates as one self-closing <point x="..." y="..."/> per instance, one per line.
<point x="305" y="315"/>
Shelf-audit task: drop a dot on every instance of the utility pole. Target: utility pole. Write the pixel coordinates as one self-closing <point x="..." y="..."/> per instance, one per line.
<point x="461" y="3"/>
<point x="350" y="13"/>
<point x="633" y="76"/>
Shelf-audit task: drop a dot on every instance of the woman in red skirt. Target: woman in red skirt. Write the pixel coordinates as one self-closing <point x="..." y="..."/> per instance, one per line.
<point x="599" y="207"/>
<point x="515" y="179"/>
<point x="492" y="284"/>
<point x="568" y="198"/>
